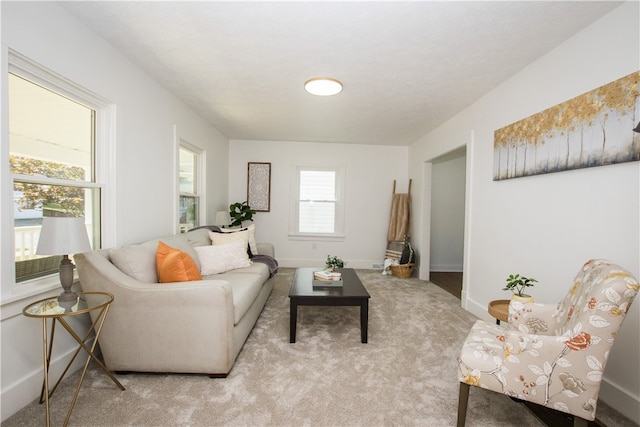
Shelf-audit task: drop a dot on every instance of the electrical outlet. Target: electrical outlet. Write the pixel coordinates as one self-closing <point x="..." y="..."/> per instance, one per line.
<point x="314" y="246"/>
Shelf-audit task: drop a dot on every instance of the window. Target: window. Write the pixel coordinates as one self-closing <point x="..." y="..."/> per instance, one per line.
<point x="189" y="176"/>
<point x="54" y="126"/>
<point x="319" y="205"/>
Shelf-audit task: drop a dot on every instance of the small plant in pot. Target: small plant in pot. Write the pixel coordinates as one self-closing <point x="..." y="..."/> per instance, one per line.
<point x="517" y="284"/>
<point x="239" y="212"/>
<point x="333" y="262"/>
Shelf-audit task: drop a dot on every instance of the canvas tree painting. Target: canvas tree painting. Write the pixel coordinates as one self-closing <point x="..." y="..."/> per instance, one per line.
<point x="593" y="129"/>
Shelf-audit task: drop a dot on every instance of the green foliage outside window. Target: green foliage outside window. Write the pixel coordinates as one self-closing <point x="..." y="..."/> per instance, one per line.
<point x="65" y="199"/>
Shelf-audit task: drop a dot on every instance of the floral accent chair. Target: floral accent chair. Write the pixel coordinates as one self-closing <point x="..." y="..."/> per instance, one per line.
<point x="552" y="355"/>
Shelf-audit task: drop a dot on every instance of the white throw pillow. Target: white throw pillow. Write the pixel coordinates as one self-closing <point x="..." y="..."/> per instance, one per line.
<point x="216" y="259"/>
<point x="252" y="239"/>
<point x="252" y="236"/>
<point x="222" y="238"/>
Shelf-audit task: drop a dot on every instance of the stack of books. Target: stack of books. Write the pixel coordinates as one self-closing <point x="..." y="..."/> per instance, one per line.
<point x="327" y="278"/>
<point x="327" y="275"/>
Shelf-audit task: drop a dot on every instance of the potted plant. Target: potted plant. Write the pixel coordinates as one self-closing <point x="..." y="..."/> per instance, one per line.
<point x="517" y="284"/>
<point x="240" y="212"/>
<point x="333" y="262"/>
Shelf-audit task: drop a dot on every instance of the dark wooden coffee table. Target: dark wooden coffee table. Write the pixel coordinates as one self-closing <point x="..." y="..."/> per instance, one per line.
<point x="352" y="293"/>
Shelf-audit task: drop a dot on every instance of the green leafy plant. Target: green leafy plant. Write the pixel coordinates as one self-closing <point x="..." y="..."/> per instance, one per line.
<point x="334" y="262"/>
<point x="517" y="284"/>
<point x="240" y="211"/>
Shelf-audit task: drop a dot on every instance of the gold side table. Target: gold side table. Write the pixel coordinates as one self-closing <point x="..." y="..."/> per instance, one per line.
<point x="51" y="308"/>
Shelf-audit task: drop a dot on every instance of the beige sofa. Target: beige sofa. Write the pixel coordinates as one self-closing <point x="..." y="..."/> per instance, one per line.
<point x="189" y="327"/>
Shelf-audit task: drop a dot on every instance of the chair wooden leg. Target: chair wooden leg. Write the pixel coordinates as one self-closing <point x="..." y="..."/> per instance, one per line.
<point x="463" y="399"/>
<point x="579" y="422"/>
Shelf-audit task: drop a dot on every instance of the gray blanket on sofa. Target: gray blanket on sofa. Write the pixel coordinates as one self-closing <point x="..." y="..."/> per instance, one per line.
<point x="272" y="263"/>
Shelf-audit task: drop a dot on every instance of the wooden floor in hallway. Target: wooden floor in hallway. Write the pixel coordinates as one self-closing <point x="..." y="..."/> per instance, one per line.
<point x="450" y="281"/>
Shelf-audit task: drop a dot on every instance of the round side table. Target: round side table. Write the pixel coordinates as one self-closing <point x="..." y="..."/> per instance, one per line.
<point x="60" y="311"/>
<point x="500" y="310"/>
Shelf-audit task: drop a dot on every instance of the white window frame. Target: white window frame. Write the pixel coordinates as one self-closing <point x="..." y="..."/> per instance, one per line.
<point x="104" y="146"/>
<point x="200" y="182"/>
<point x="339" y="224"/>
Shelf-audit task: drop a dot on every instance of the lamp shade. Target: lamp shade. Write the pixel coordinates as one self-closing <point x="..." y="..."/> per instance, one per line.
<point x="223" y="218"/>
<point x="62" y="236"/>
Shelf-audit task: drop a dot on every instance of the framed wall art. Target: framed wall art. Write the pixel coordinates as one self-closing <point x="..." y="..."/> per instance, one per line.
<point x="592" y="129"/>
<point x="259" y="186"/>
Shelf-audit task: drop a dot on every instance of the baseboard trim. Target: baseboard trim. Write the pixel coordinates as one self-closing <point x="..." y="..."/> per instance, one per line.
<point x="446" y="268"/>
<point x="620" y="399"/>
<point x="20" y="394"/>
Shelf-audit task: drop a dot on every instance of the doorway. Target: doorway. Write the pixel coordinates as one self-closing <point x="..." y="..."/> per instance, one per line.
<point x="448" y="190"/>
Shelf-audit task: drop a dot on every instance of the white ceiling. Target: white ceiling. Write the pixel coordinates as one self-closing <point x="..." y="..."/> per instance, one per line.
<point x="406" y="66"/>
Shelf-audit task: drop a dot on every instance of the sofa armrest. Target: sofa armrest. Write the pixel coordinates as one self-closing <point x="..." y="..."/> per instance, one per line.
<point x="265" y="248"/>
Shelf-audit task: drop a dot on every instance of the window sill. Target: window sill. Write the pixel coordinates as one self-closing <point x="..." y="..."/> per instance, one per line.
<point x="40" y="288"/>
<point x="317" y="237"/>
<point x="24" y="295"/>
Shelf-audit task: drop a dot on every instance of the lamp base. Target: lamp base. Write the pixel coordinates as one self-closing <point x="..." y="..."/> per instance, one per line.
<point x="68" y="296"/>
<point x="66" y="280"/>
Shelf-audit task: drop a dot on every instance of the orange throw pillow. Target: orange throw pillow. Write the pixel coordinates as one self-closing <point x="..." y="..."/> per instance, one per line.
<point x="175" y="266"/>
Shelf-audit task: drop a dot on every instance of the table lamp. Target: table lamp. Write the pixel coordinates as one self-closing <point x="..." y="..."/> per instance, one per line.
<point x="64" y="236"/>
<point x="223" y="219"/>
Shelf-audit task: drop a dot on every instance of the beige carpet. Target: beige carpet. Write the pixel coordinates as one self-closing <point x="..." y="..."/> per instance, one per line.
<point x="404" y="376"/>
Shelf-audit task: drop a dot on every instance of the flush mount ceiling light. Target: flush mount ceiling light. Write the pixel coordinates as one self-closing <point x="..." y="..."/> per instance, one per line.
<point x="323" y="86"/>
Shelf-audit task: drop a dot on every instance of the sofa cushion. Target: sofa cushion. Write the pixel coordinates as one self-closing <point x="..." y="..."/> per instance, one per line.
<point x="252" y="239"/>
<point x="252" y="236"/>
<point x="216" y="259"/>
<point x="175" y="265"/>
<point x="137" y="261"/>
<point x="226" y="237"/>
<point x="257" y="268"/>
<point x="198" y="237"/>
<point x="246" y="284"/>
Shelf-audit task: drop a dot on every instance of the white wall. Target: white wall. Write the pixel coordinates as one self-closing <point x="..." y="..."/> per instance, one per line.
<point x="370" y="171"/>
<point x="144" y="163"/>
<point x="447" y="214"/>
<point x="547" y="226"/>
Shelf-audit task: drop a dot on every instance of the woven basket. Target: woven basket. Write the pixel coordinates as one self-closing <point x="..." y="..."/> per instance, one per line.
<point x="402" y="271"/>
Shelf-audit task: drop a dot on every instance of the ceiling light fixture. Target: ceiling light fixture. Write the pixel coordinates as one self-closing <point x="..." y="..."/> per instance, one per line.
<point x="323" y="86"/>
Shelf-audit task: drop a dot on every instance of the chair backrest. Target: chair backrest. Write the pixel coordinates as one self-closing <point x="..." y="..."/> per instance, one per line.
<point x="596" y="304"/>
